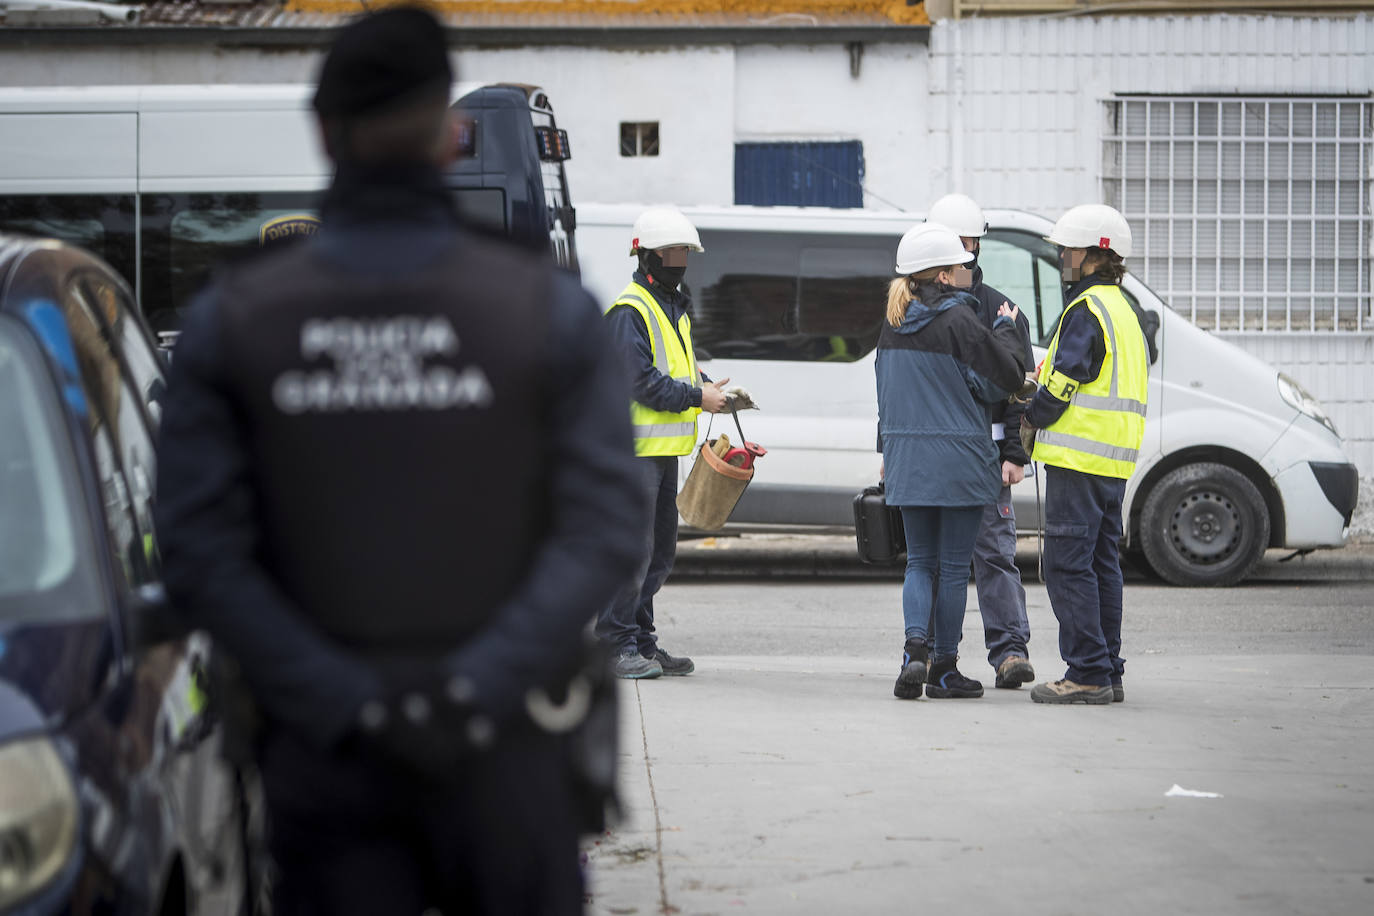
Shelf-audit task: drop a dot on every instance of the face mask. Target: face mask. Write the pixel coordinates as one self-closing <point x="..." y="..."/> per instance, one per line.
<point x="658" y="272"/>
<point x="961" y="277"/>
<point x="1068" y="272"/>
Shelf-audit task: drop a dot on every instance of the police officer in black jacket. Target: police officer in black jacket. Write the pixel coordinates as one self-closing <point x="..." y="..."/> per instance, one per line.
<point x="396" y="484"/>
<point x="1001" y="596"/>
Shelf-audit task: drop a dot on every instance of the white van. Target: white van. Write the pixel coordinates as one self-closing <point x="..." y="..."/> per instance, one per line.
<point x="789" y="302"/>
<point x="164" y="182"/>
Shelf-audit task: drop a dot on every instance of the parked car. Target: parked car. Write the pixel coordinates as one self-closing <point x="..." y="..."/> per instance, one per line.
<point x="789" y="302"/>
<point x="112" y="795"/>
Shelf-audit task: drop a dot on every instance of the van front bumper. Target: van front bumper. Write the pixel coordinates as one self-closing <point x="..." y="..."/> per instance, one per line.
<point x="1340" y="485"/>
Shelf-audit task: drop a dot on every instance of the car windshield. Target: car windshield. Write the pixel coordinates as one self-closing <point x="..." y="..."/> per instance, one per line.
<point x="45" y="568"/>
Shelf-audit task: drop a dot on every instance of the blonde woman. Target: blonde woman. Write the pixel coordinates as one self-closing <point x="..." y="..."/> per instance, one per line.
<point x="938" y="367"/>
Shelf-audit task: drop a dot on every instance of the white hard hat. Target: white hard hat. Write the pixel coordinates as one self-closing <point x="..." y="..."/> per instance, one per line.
<point x="960" y="213"/>
<point x="1093" y="226"/>
<point x="928" y="245"/>
<point x="664" y="227"/>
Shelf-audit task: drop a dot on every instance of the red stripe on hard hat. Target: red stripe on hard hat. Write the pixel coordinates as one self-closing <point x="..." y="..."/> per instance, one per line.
<point x="1104" y="242"/>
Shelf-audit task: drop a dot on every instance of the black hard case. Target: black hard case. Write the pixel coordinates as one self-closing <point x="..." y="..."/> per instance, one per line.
<point x="878" y="528"/>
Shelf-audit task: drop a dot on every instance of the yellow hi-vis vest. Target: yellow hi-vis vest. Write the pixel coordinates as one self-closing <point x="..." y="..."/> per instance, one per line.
<point x="1101" y="431"/>
<point x="660" y="432"/>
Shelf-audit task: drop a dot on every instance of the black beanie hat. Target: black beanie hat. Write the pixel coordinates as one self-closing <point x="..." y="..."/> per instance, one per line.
<point x="382" y="58"/>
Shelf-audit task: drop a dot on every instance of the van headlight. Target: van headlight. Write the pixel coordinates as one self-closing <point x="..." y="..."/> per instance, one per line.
<point x="38" y="815"/>
<point x="1302" y="401"/>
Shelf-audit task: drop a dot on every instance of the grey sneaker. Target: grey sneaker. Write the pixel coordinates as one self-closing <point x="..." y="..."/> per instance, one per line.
<point x="1013" y="672"/>
<point x="630" y="664"/>
<point x="1066" y="691"/>
<point x="672" y="665"/>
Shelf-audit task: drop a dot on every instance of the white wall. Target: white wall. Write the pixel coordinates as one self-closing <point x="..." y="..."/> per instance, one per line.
<point x="690" y="92"/>
<point x="1022" y="100"/>
<point x="808" y="93"/>
<point x="1023" y="95"/>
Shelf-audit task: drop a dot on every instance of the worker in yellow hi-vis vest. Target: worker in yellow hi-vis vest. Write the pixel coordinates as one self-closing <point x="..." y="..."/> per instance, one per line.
<point x="651" y="328"/>
<point x="1089" y="420"/>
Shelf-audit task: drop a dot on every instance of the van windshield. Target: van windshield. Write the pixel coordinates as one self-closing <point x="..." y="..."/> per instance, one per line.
<point x="45" y="567"/>
<point x="1025" y="268"/>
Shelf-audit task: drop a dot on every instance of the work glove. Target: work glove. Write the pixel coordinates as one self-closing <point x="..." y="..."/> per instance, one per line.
<point x="1024" y="394"/>
<point x="737" y="398"/>
<point x="426" y="726"/>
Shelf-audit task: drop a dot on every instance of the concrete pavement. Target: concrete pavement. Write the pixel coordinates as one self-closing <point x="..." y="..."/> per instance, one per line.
<point x="798" y="784"/>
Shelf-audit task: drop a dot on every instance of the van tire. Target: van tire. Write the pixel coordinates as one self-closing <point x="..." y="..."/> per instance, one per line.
<point x="1204" y="525"/>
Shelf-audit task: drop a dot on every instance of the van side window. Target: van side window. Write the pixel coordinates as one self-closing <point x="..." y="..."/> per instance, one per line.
<point x="789" y="296"/>
<point x="186" y="236"/>
<point x="101" y="223"/>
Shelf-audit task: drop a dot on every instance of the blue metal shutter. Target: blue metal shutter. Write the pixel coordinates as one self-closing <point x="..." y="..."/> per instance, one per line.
<point x="800" y="174"/>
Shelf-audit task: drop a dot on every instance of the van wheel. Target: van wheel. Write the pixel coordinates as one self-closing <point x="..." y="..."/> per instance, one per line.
<point x="1204" y="525"/>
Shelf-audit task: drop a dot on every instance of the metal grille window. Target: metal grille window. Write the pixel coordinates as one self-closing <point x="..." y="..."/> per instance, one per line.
<point x="1248" y="214"/>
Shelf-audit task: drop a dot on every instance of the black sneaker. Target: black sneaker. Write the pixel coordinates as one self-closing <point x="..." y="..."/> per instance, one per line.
<point x="630" y="664"/>
<point x="944" y="682"/>
<point x="913" y="673"/>
<point x="672" y="665"/>
<point x="1118" y="692"/>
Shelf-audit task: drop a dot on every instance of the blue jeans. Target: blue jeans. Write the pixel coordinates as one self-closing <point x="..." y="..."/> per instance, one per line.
<point x="628" y="622"/>
<point x="1001" y="597"/>
<point x="939" y="547"/>
<point x="1083" y="571"/>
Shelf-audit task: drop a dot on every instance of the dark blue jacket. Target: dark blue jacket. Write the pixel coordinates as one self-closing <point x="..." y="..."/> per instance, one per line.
<point x="648" y="386"/>
<point x="1081" y="349"/>
<point x="936" y="372"/>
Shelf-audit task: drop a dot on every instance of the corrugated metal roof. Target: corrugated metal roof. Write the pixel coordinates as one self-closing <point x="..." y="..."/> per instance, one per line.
<point x="549" y="14"/>
<point x="628" y="23"/>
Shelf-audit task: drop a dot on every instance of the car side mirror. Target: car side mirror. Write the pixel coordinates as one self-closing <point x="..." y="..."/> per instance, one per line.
<point x="150" y="620"/>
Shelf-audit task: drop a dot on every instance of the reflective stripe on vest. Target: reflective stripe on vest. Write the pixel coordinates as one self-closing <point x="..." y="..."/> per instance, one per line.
<point x="1101" y="430"/>
<point x="661" y="432"/>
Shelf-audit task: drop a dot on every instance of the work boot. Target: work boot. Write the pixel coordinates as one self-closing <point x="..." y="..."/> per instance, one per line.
<point x="913" y="673"/>
<point x="1013" y="672"/>
<point x="1066" y="691"/>
<point x="630" y="664"/>
<point x="1118" y="692"/>
<point x="944" y="682"/>
<point x="672" y="665"/>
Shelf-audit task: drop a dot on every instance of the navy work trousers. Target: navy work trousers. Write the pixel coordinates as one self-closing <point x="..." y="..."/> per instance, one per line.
<point x="353" y="836"/>
<point x="628" y="622"/>
<point x="1083" y="571"/>
<point x="1001" y="596"/>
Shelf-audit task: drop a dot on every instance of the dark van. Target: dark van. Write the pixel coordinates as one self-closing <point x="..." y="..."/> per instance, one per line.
<point x="113" y="798"/>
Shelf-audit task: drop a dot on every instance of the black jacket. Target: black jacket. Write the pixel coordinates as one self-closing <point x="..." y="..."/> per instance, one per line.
<point x="1009" y="415"/>
<point x="319" y="514"/>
